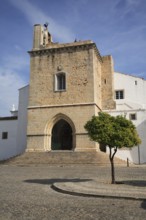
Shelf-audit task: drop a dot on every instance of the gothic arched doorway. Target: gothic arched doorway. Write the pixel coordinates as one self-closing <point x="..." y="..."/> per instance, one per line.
<point x="62" y="136"/>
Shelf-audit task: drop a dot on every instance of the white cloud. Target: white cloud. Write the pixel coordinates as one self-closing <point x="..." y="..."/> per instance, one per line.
<point x="122" y="8"/>
<point x="17" y="47"/>
<point x="14" y="62"/>
<point x="10" y="82"/>
<point x="132" y="3"/>
<point x="35" y="16"/>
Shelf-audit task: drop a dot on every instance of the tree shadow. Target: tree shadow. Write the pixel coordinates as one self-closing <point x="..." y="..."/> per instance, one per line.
<point x="143" y="204"/>
<point x="52" y="181"/>
<point x="140" y="183"/>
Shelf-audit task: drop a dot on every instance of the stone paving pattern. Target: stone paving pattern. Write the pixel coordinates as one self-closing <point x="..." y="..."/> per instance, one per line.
<point x="26" y="193"/>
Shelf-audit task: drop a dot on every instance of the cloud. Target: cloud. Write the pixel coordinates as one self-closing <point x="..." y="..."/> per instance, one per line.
<point x="10" y="82"/>
<point x="132" y="3"/>
<point x="17" y="47"/>
<point x="34" y="15"/>
<point x="14" y="62"/>
<point x="125" y="5"/>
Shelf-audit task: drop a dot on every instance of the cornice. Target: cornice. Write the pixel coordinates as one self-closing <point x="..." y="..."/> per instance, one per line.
<point x="64" y="105"/>
<point x="69" y="48"/>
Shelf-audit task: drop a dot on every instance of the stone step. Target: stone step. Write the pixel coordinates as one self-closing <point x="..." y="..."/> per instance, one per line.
<point x="63" y="157"/>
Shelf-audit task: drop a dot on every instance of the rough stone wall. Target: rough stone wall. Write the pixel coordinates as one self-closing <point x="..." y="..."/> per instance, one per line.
<point x="107" y="84"/>
<point x="97" y="80"/>
<point x="38" y="36"/>
<point x="77" y="102"/>
<point x="41" y="121"/>
<point x="78" y="66"/>
<point x="89" y="88"/>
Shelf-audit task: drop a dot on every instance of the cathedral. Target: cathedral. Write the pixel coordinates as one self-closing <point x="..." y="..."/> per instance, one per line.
<point x="69" y="83"/>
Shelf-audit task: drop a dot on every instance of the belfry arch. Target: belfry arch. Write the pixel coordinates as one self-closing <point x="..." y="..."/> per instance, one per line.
<point x="60" y="134"/>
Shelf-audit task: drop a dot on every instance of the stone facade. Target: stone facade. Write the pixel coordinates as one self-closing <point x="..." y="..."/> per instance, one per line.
<point x="87" y="89"/>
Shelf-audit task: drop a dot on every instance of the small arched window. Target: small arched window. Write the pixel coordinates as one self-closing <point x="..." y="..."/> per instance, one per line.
<point x="60" y="82"/>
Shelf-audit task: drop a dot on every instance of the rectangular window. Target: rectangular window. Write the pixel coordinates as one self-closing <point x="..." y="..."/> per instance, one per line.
<point x="60" y="83"/>
<point x="132" y="116"/>
<point x="119" y="94"/>
<point x="4" y="135"/>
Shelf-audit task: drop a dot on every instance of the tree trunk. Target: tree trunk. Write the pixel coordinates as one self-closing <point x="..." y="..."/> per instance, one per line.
<point x="111" y="157"/>
<point x="112" y="172"/>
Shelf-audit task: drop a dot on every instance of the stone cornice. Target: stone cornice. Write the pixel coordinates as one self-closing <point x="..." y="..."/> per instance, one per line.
<point x="43" y="134"/>
<point x="70" y="47"/>
<point x="98" y="53"/>
<point x="64" y="105"/>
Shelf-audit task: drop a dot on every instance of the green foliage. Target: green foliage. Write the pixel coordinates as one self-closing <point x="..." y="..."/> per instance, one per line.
<point x="112" y="131"/>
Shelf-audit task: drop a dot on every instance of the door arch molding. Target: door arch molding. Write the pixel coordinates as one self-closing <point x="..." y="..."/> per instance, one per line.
<point x="50" y="125"/>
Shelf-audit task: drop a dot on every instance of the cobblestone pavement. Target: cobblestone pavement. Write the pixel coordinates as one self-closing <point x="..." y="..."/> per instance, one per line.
<point x="25" y="193"/>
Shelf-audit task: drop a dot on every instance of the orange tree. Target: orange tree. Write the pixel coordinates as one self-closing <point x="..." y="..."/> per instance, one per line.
<point x="114" y="132"/>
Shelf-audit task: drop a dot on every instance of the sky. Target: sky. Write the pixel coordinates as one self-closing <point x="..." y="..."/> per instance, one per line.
<point x="118" y="27"/>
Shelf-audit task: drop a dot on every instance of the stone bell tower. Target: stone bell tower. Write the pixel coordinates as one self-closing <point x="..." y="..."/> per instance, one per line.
<point x="41" y="36"/>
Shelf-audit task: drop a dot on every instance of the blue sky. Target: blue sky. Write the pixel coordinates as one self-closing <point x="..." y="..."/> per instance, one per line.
<point x="118" y="27"/>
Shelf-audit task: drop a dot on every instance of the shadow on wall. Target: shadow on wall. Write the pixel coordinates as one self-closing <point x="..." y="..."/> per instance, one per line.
<point x="138" y="154"/>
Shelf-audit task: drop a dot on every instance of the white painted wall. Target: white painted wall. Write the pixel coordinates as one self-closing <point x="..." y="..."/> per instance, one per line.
<point x="134" y="94"/>
<point x="22" y="119"/>
<point x="133" y="102"/>
<point x="16" y="142"/>
<point x="137" y="154"/>
<point x="8" y="146"/>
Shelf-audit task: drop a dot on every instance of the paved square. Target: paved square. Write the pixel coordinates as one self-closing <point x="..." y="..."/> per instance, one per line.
<point x="25" y="193"/>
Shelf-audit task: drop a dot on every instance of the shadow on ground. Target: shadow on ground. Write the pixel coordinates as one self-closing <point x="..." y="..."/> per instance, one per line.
<point x="140" y="183"/>
<point x="143" y="204"/>
<point x="51" y="181"/>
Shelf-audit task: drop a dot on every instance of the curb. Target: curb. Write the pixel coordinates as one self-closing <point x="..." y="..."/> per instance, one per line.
<point x="64" y="191"/>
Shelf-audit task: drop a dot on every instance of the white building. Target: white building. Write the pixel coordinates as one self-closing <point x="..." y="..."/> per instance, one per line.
<point x="8" y="134"/>
<point x="13" y="128"/>
<point x="130" y="98"/>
